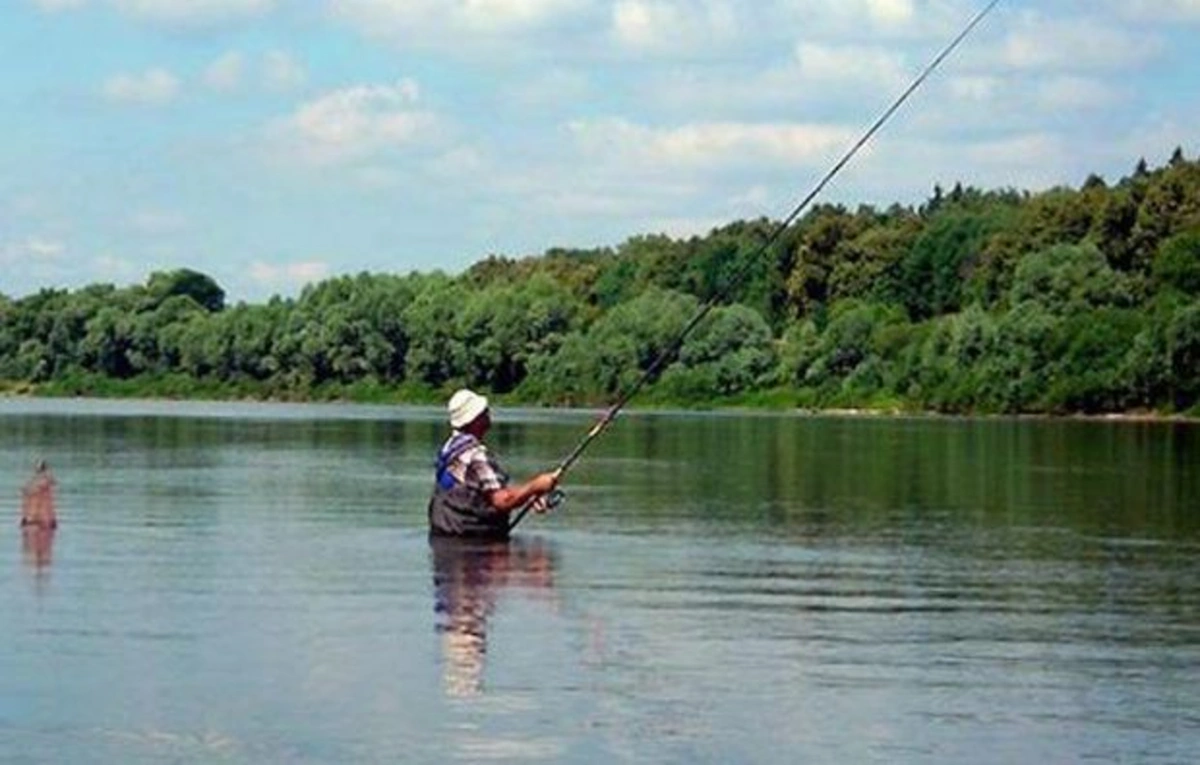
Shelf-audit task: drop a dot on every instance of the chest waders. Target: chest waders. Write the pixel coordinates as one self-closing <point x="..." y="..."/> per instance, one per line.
<point x="456" y="509"/>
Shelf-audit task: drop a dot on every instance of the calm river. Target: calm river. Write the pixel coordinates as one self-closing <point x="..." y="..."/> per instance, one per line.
<point x="253" y="584"/>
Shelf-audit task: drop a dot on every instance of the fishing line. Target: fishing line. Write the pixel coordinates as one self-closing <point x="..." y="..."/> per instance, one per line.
<point x="609" y="415"/>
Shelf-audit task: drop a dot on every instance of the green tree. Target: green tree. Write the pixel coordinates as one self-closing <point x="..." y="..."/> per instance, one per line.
<point x="1069" y="278"/>
<point x="863" y="263"/>
<point x="813" y="245"/>
<point x="503" y="327"/>
<point x="1112" y="228"/>
<point x="436" y="354"/>
<point x="799" y="349"/>
<point x="1021" y="366"/>
<point x="930" y="277"/>
<point x="1177" y="265"/>
<point x="1089" y="349"/>
<point x="184" y="281"/>
<point x="106" y="346"/>
<point x="732" y="349"/>
<point x="1183" y="356"/>
<point x="851" y="343"/>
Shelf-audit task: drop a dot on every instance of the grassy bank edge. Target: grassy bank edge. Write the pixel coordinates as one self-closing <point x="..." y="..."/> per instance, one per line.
<point x="183" y="388"/>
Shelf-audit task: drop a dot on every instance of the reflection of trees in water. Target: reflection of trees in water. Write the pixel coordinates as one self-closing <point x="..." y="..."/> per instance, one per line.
<point x="820" y="474"/>
<point x="1004" y="512"/>
<point x="468" y="577"/>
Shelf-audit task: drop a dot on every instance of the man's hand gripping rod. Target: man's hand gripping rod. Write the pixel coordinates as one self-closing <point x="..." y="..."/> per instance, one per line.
<point x="556" y="497"/>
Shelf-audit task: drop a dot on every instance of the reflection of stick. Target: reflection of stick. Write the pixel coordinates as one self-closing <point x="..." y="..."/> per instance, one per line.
<point x="37" y="502"/>
<point x="37" y="542"/>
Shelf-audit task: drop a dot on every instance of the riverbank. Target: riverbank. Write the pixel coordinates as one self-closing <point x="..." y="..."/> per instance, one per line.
<point x="178" y="388"/>
<point x="1133" y="416"/>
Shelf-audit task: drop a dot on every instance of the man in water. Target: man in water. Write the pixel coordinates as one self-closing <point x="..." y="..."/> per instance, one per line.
<point x="37" y="499"/>
<point x="472" y="496"/>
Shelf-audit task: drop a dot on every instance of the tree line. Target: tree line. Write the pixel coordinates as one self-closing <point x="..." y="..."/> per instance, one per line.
<point x="975" y="301"/>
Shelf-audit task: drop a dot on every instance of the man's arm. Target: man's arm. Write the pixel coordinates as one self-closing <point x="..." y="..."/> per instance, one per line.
<point x="509" y="498"/>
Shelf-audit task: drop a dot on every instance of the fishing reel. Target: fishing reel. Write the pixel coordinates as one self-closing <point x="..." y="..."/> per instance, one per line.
<point x="554" y="500"/>
<point x="547" y="503"/>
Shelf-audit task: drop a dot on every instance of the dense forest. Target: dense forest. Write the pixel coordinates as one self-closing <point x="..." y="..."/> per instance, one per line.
<point x="1062" y="301"/>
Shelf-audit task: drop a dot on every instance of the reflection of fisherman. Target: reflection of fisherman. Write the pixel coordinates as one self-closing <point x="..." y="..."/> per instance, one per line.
<point x="472" y="496"/>
<point x="468" y="575"/>
<point x="37" y="499"/>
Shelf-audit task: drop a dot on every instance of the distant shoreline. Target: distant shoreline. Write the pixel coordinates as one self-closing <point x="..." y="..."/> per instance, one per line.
<point x="651" y="407"/>
<point x="1133" y="416"/>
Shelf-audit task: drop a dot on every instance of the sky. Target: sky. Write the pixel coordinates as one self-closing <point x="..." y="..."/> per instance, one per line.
<point x="273" y="143"/>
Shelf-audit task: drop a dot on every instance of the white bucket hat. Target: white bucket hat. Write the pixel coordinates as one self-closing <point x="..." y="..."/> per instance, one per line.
<point x="465" y="405"/>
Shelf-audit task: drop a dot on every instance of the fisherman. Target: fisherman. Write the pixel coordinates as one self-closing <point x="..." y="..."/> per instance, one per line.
<point x="37" y="499"/>
<point x="471" y="495"/>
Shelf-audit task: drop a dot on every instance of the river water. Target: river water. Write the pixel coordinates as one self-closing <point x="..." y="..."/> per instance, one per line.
<point x="253" y="583"/>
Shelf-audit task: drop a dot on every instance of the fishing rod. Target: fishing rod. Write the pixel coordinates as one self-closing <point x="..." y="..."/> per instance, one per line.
<point x="611" y="413"/>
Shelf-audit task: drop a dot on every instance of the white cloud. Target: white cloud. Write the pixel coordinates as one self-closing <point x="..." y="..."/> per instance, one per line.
<point x="976" y="88"/>
<point x="153" y="87"/>
<point x="115" y="269"/>
<point x="709" y="145"/>
<point x="1076" y="93"/>
<point x="379" y="18"/>
<point x="174" y="13"/>
<point x="31" y="251"/>
<point x="907" y="166"/>
<point x="891" y="12"/>
<point x="438" y="23"/>
<point x="673" y="26"/>
<point x="599" y="198"/>
<point x="279" y="72"/>
<point x="702" y="93"/>
<point x="54" y="6"/>
<point x="549" y="88"/>
<point x="225" y="74"/>
<point x="1038" y="42"/>
<point x="1155" y="138"/>
<point x="882" y="69"/>
<point x="1019" y="150"/>
<point x="1013" y="102"/>
<point x="193" y="13"/>
<point x="756" y="197"/>
<point x="357" y="122"/>
<point x="282" y="72"/>
<point x="278" y="275"/>
<point x="684" y="227"/>
<point x="863" y="20"/>
<point x="641" y="24"/>
<point x="695" y="27"/>
<point x="157" y="222"/>
<point x="1157" y="10"/>
<point x="459" y="163"/>
<point x="500" y="15"/>
<point x="44" y="249"/>
<point x="377" y="178"/>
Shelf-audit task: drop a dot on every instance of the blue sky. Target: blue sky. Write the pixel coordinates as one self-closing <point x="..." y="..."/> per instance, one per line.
<point x="271" y="143"/>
